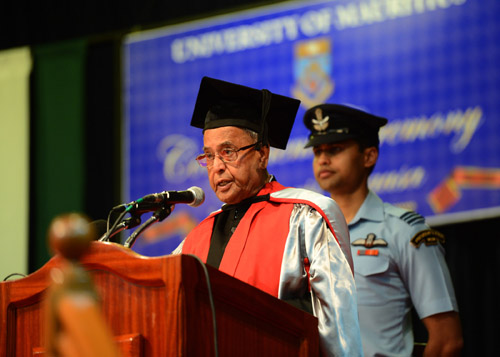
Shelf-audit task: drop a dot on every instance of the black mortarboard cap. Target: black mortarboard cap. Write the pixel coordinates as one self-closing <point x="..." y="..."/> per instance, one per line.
<point x="221" y="103"/>
<point x="331" y="123"/>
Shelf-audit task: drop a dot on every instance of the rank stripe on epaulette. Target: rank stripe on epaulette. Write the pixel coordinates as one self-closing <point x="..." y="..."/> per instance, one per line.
<point x="412" y="218"/>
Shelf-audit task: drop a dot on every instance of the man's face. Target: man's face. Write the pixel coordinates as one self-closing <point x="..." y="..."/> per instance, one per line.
<point x="340" y="168"/>
<point x="234" y="181"/>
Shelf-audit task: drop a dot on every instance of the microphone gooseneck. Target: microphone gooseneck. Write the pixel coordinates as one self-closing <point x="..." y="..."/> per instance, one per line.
<point x="160" y="203"/>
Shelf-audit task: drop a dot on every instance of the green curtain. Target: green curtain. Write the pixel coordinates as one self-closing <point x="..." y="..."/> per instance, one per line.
<point x="58" y="137"/>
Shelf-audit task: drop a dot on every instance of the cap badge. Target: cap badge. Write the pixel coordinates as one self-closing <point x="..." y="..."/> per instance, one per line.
<point x="320" y="123"/>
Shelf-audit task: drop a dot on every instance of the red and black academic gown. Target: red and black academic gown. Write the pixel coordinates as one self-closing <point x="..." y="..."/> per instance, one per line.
<point x="273" y="244"/>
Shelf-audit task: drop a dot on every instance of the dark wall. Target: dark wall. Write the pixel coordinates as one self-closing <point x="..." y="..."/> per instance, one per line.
<point x="473" y="256"/>
<point x="26" y="22"/>
<point x="103" y="129"/>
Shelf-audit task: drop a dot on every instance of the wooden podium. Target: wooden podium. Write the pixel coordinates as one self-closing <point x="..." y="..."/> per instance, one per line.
<point x="160" y="306"/>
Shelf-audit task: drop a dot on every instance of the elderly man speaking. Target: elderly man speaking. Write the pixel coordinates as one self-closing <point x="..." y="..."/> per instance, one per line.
<point x="291" y="243"/>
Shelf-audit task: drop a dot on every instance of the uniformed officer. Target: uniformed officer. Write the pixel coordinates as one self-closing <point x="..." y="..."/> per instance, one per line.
<point x="398" y="260"/>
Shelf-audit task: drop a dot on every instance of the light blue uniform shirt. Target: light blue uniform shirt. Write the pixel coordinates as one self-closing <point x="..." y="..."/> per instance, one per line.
<point x="394" y="273"/>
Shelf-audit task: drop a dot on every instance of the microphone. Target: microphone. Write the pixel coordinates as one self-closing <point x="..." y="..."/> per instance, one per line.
<point x="193" y="196"/>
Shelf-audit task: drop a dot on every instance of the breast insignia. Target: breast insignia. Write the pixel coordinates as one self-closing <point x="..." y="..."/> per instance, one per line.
<point x="370" y="241"/>
<point x="428" y="237"/>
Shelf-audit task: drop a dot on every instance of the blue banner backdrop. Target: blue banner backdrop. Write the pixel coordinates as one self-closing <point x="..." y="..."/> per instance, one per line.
<point x="430" y="67"/>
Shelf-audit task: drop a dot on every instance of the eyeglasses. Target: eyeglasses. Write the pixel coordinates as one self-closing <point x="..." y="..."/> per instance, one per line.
<point x="227" y="154"/>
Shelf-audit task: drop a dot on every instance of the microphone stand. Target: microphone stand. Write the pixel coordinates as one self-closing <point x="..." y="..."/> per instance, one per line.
<point x="124" y="210"/>
<point x="158" y="216"/>
<point x="128" y="223"/>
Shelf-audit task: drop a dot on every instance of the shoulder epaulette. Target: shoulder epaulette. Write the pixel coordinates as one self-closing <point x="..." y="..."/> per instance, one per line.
<point x="409" y="217"/>
<point x="412" y="218"/>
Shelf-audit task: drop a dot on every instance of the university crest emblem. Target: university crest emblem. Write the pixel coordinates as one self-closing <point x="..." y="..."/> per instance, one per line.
<point x="312" y="71"/>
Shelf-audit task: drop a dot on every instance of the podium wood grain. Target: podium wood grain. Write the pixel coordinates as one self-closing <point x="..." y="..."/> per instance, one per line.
<point x="159" y="306"/>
